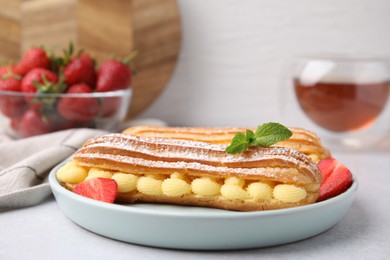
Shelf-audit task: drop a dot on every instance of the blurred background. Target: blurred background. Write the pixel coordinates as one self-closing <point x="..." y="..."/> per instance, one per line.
<point x="214" y="63"/>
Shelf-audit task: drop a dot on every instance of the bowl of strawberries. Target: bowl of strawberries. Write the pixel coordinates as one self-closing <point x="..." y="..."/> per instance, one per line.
<point x="44" y="93"/>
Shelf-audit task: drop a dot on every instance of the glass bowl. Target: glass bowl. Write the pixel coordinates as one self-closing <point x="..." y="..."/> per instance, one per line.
<point x="30" y="114"/>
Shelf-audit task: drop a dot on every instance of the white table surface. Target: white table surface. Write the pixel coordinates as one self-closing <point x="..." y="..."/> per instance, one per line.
<point x="44" y="232"/>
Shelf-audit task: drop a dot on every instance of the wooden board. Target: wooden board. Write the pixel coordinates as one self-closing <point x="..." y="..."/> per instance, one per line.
<point x="103" y="28"/>
<point x="157" y="37"/>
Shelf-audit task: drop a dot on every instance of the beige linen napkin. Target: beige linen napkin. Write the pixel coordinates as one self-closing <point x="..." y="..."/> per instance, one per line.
<point x="26" y="163"/>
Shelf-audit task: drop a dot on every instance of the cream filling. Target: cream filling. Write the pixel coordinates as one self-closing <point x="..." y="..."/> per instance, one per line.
<point x="177" y="185"/>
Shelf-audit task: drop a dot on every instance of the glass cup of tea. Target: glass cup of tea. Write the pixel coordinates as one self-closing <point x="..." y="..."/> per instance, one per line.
<point x="344" y="99"/>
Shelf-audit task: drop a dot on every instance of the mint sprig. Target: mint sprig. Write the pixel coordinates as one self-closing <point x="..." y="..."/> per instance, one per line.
<point x="265" y="135"/>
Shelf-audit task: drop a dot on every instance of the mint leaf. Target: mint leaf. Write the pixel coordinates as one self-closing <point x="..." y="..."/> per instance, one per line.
<point x="239" y="144"/>
<point x="250" y="137"/>
<point x="271" y="133"/>
<point x="265" y="135"/>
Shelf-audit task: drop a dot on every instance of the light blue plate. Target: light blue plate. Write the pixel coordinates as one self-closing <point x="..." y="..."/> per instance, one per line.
<point x="199" y="228"/>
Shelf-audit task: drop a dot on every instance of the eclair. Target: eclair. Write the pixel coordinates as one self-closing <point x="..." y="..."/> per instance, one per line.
<point x="184" y="172"/>
<point x="302" y="140"/>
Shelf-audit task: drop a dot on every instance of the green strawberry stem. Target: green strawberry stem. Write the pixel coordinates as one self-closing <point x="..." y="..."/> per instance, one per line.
<point x="129" y="59"/>
<point x="68" y="53"/>
<point x="50" y="87"/>
<point x="58" y="62"/>
<point x="10" y="74"/>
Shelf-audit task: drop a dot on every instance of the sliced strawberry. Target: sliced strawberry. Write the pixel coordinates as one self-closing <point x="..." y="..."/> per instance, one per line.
<point x="32" y="58"/>
<point x="101" y="189"/>
<point x="327" y="166"/>
<point x="78" y="109"/>
<point x="337" y="178"/>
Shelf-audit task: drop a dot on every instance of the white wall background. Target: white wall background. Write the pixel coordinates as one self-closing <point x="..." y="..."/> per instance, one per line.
<point x="235" y="54"/>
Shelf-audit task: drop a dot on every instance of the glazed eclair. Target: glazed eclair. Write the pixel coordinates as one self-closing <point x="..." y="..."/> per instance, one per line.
<point x="184" y="172"/>
<point x="302" y="140"/>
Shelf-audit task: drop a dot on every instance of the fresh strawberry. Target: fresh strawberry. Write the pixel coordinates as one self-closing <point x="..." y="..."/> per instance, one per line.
<point x="113" y="75"/>
<point x="336" y="178"/>
<point x="11" y="104"/>
<point x="41" y="81"/>
<point x="101" y="189"/>
<point x="33" y="58"/>
<point x="78" y="108"/>
<point x="15" y="123"/>
<point x="7" y="70"/>
<point x="10" y="84"/>
<point x="37" y="78"/>
<point x="81" y="69"/>
<point x="34" y="123"/>
<point x="109" y="106"/>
